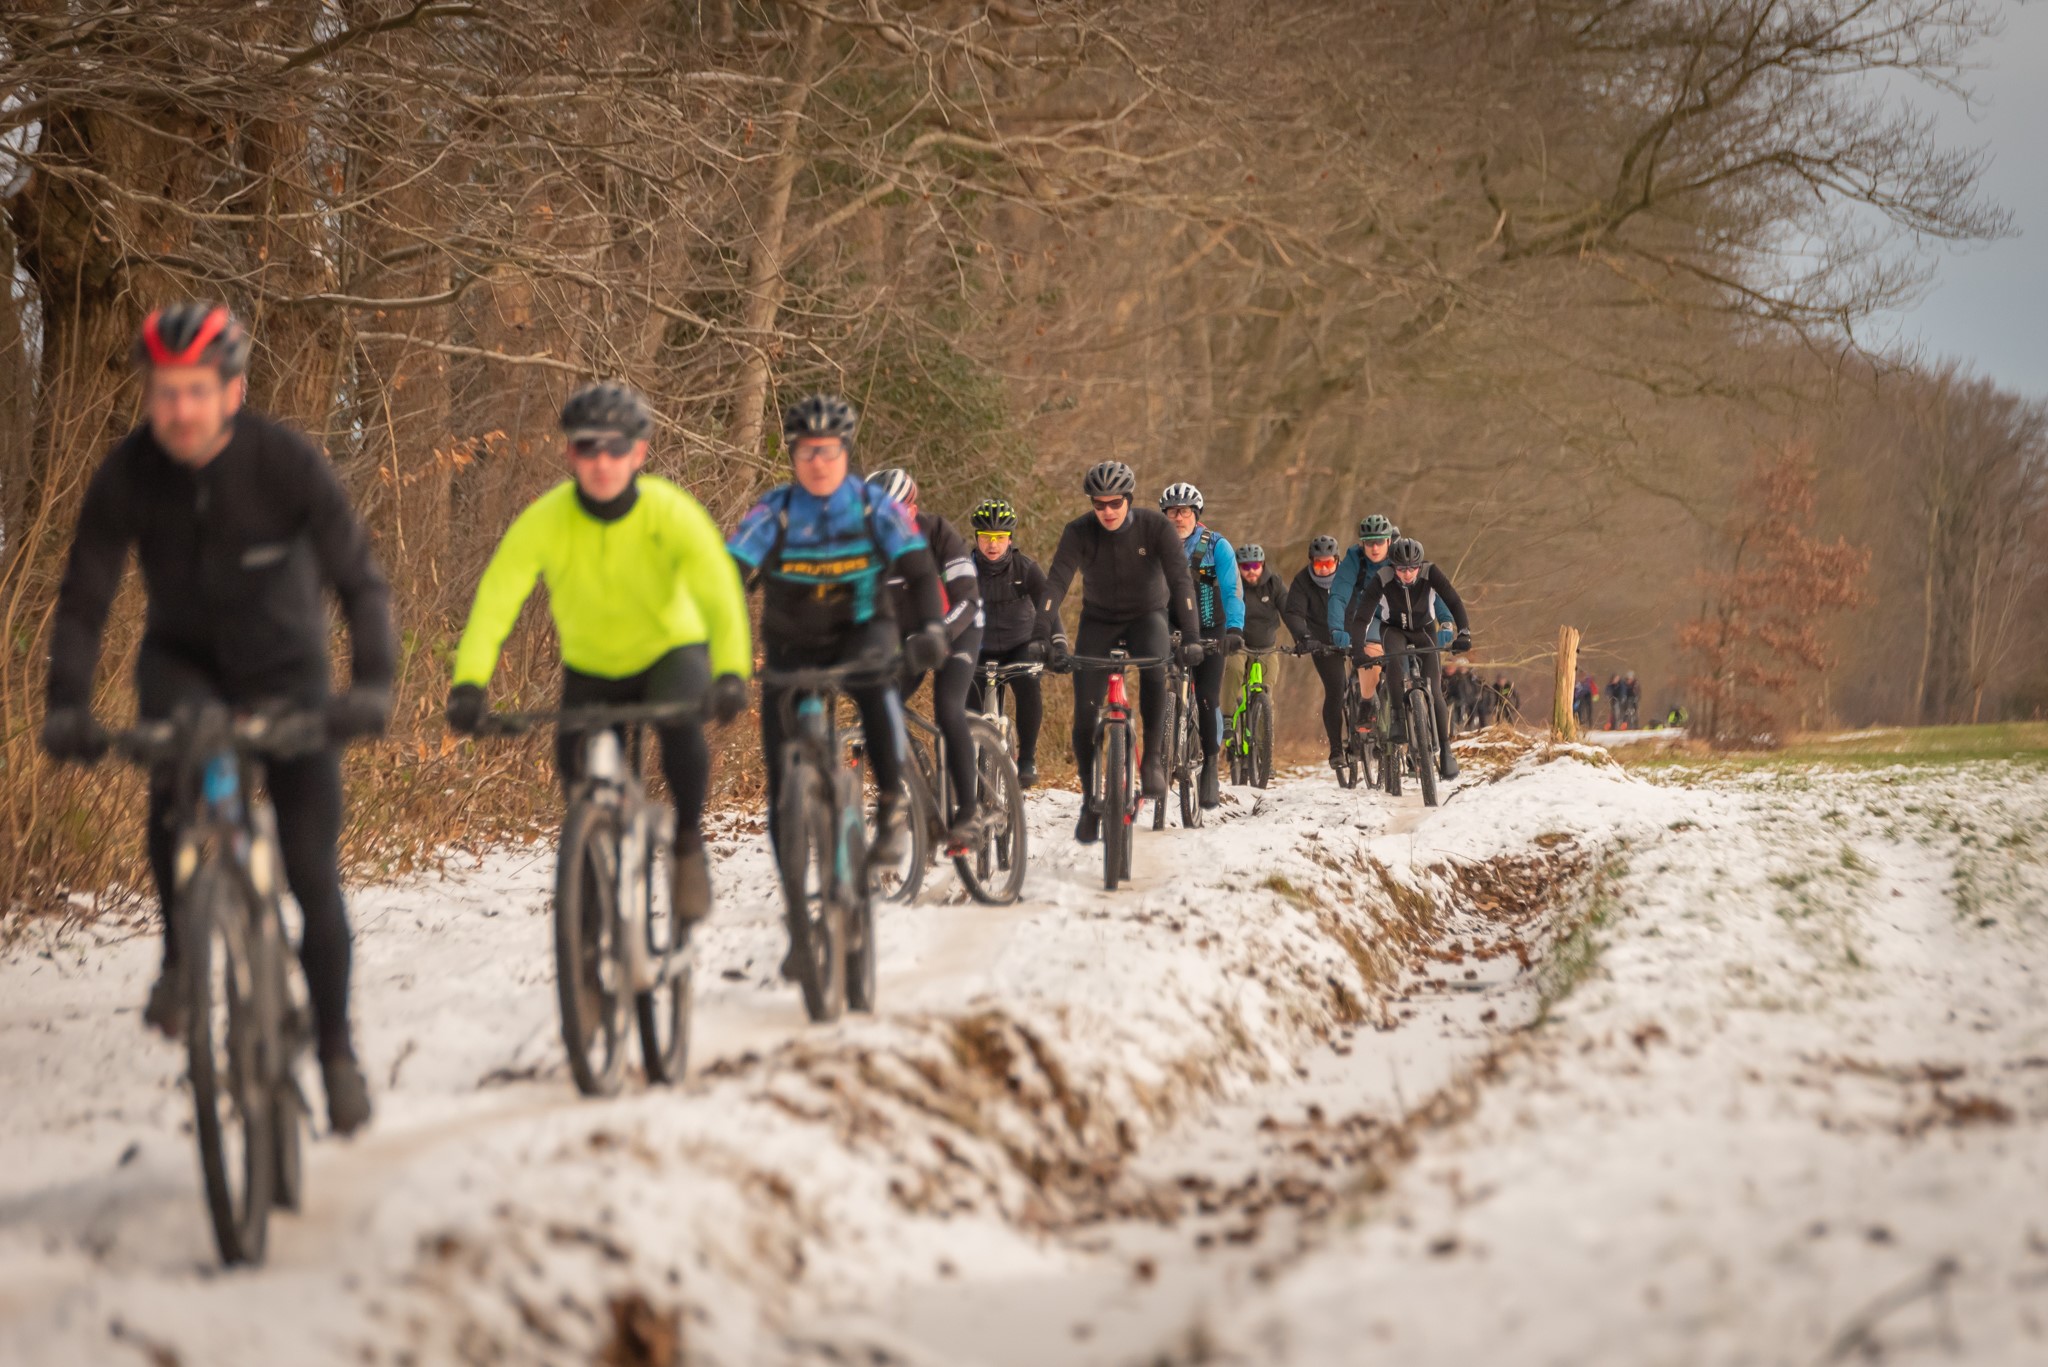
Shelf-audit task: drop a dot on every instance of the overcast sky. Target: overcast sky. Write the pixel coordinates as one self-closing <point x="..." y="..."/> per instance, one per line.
<point x="1989" y="305"/>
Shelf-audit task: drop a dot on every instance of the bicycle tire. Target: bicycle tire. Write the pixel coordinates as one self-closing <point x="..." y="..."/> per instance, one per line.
<point x="807" y="856"/>
<point x="1390" y="754"/>
<point x="1130" y="802"/>
<point x="212" y="932"/>
<point x="856" y="902"/>
<point x="1115" y="759"/>
<point x="902" y="883"/>
<point x="1169" y="763"/>
<point x="664" y="1009"/>
<point x="1186" y="776"/>
<point x="993" y="871"/>
<point x="1260" y="719"/>
<point x="588" y="952"/>
<point x="1422" y="742"/>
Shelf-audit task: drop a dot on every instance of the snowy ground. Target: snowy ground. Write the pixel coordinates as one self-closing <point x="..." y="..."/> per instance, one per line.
<point x="1278" y="1102"/>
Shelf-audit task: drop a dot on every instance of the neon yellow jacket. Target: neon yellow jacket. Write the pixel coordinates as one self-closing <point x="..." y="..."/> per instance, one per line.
<point x="622" y="594"/>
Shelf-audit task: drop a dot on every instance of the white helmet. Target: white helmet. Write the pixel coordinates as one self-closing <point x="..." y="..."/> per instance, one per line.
<point x="1181" y="496"/>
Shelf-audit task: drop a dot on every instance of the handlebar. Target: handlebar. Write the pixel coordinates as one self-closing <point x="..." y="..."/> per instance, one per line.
<point x="275" y="735"/>
<point x="578" y="719"/>
<point x="1013" y="670"/>
<point x="870" y="668"/>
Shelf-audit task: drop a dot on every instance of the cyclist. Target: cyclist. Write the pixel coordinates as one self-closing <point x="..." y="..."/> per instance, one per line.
<point x="647" y="607"/>
<point x="1308" y="619"/>
<point x="239" y="524"/>
<point x="1219" y="599"/>
<point x="961" y="588"/>
<point x="1136" y="572"/>
<point x="1375" y="534"/>
<point x="821" y="546"/>
<point x="1012" y="586"/>
<point x="1263" y="598"/>
<point x="1396" y="607"/>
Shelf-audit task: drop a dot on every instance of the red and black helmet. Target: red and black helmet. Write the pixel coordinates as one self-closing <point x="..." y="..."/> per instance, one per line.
<point x="193" y="333"/>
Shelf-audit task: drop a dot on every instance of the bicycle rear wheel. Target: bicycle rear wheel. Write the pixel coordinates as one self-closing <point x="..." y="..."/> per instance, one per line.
<point x="590" y="986"/>
<point x="993" y="870"/>
<point x="1259" y="720"/>
<point x="901" y="882"/>
<point x="1187" y="771"/>
<point x="1114" y="756"/>
<point x="1422" y="742"/>
<point x="813" y="865"/>
<point x="231" y="1026"/>
<point x="664" y="1009"/>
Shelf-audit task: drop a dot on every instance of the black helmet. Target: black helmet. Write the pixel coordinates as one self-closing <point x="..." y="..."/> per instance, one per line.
<point x="1181" y="496"/>
<point x="1405" y="553"/>
<point x="193" y="334"/>
<point x="994" y="515"/>
<point x="1323" y="548"/>
<point x="1378" y="527"/>
<point x="607" y="406"/>
<point x="1110" y="479"/>
<point x="821" y="415"/>
<point x="896" y="485"/>
<point x="1251" y="553"/>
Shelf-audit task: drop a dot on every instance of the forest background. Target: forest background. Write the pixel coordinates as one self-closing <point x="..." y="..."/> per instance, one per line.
<point x="1579" y="291"/>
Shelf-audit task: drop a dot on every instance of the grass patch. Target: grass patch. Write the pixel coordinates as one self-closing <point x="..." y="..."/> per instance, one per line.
<point x="1576" y="953"/>
<point x="1912" y="745"/>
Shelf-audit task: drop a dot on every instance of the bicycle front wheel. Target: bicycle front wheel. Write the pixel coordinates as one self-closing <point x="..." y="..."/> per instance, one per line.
<point x="1422" y="743"/>
<point x="1114" y="755"/>
<point x="231" y="1025"/>
<point x="1169" y="763"/>
<point x="1188" y="769"/>
<point x="814" y="865"/>
<point x="664" y="1009"/>
<point x="1259" y="718"/>
<point x="993" y="870"/>
<point x="590" y="985"/>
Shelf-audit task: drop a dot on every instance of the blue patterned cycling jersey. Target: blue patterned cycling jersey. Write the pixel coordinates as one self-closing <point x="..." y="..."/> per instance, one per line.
<point x="822" y="560"/>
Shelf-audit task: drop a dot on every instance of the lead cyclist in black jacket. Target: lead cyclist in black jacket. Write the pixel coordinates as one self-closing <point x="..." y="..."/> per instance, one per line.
<point x="1135" y="570"/>
<point x="240" y="525"/>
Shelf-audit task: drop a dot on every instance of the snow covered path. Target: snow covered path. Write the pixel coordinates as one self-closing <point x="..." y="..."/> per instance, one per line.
<point x="1274" y="1101"/>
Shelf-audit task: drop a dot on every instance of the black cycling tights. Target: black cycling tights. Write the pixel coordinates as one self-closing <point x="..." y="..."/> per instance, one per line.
<point x="1145" y="638"/>
<point x="1209" y="695"/>
<point x="1025" y="695"/>
<point x="306" y="795"/>
<point x="682" y="675"/>
<point x="949" y="714"/>
<point x="1332" y="670"/>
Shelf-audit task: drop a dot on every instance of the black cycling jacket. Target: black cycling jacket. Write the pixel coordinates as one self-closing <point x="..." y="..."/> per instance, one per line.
<point x="1262" y="613"/>
<point x="234" y="557"/>
<point x="1140" y="568"/>
<point x="1307" y="610"/>
<point x="1011" y="590"/>
<point x="1408" y="605"/>
<point x="960" y="588"/>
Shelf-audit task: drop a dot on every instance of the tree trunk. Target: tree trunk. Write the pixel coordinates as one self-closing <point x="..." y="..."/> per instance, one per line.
<point x="763" y="297"/>
<point x="1563" y="725"/>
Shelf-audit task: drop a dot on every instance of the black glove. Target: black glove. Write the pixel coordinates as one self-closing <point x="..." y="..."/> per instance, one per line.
<point x="465" y="710"/>
<point x="1461" y="644"/>
<point x="1233" y="642"/>
<point x="1060" y="657"/>
<point x="1032" y="654"/>
<point x="359" y="712"/>
<point x="728" y="697"/>
<point x="925" y="649"/>
<point x="70" y="733"/>
<point x="1192" y="653"/>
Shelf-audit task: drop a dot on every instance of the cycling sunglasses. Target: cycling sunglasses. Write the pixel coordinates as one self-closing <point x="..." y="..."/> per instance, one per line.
<point x="1251" y="564"/>
<point x="1103" y="505"/>
<point x="590" y="445"/>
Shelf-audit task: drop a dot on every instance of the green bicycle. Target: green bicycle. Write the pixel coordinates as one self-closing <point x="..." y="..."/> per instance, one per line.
<point x="1248" y="731"/>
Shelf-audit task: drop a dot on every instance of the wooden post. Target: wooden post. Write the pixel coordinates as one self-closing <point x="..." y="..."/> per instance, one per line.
<point x="1563" y="725"/>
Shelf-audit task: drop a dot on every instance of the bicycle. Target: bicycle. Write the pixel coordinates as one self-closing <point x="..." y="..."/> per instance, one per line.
<point x="246" y="1015"/>
<point x="992" y="867"/>
<point x="1248" y="731"/>
<point x="1407" y="722"/>
<point x="821" y="844"/>
<point x="619" y="947"/>
<point x="1113" y="791"/>
<point x="1181" y="734"/>
<point x="1355" y="760"/>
